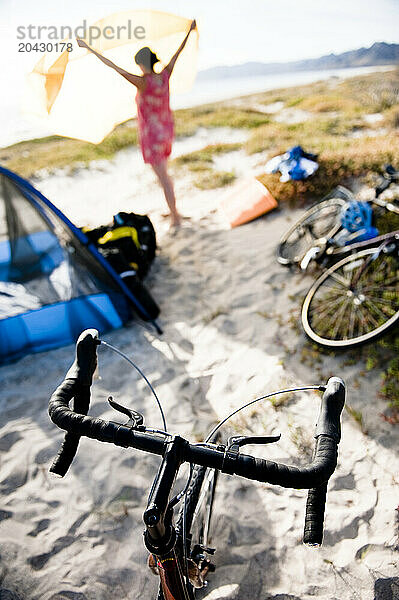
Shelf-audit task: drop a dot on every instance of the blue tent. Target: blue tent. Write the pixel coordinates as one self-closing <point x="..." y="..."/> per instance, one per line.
<point x="53" y="281"/>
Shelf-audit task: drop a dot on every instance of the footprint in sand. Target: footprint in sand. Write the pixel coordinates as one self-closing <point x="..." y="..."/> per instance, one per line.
<point x="38" y="561"/>
<point x="13" y="481"/>
<point x="7" y="595"/>
<point x="42" y="525"/>
<point x="65" y="595"/>
<point x="5" y="514"/>
<point x="46" y="455"/>
<point x="8" y="440"/>
<point x="186" y="251"/>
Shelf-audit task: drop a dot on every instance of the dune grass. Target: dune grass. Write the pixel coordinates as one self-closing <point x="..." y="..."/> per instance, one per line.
<point x="188" y="120"/>
<point x="205" y="155"/>
<point x="27" y="158"/>
<point x="200" y="163"/>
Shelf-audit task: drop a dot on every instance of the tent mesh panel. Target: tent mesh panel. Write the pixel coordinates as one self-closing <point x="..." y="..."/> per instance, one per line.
<point x="41" y="260"/>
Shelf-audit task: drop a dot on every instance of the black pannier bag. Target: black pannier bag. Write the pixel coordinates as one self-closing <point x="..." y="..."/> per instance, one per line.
<point x="132" y="235"/>
<point x="129" y="245"/>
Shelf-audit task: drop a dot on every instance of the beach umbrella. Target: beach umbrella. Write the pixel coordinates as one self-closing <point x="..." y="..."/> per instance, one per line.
<point x="78" y="96"/>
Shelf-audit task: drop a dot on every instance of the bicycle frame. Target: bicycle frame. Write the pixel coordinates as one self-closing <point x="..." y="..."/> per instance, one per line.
<point x="172" y="581"/>
<point x="332" y="254"/>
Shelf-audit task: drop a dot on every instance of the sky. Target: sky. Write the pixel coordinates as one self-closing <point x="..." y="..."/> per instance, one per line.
<point x="231" y="31"/>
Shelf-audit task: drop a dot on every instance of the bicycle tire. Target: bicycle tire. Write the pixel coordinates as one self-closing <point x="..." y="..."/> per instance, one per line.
<point x="199" y="504"/>
<point x="335" y="316"/>
<point x="321" y="221"/>
<point x="201" y="520"/>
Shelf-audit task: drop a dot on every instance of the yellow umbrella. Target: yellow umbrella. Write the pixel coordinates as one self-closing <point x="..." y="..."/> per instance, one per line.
<point x="79" y="97"/>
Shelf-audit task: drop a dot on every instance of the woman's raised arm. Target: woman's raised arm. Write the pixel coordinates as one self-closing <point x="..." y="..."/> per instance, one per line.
<point x="134" y="79"/>
<point x="169" y="67"/>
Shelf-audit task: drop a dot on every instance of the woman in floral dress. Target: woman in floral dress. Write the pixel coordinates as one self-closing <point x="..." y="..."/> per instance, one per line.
<point x="154" y="117"/>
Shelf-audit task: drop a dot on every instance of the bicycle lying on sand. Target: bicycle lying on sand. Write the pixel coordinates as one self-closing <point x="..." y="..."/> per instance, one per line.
<point x="356" y="299"/>
<point x="179" y="552"/>
<point x="319" y="234"/>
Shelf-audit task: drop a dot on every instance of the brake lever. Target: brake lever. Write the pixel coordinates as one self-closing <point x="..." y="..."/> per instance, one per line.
<point x="242" y="440"/>
<point x="232" y="450"/>
<point x="136" y="419"/>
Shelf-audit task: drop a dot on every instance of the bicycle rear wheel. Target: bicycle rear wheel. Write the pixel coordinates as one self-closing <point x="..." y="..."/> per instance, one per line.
<point x="354" y="301"/>
<point x="320" y="221"/>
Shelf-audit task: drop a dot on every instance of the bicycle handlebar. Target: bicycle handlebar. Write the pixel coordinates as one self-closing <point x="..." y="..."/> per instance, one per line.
<point x="76" y="423"/>
<point x="389" y="176"/>
<point x="385" y="183"/>
<point x="82" y="371"/>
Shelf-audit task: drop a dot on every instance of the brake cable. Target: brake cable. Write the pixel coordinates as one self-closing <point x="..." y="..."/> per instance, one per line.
<point x="102" y="342"/>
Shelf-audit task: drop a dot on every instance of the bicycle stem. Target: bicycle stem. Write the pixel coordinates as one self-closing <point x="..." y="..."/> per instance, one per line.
<point x="160" y="535"/>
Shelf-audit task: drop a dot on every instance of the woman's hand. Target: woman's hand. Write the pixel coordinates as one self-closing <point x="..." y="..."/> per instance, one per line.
<point x="81" y="43"/>
<point x="193" y="25"/>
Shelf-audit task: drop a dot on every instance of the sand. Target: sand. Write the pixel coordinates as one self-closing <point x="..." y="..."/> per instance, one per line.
<point x="228" y="311"/>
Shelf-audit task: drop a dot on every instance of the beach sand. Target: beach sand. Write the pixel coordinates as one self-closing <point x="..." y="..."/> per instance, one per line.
<point x="229" y="314"/>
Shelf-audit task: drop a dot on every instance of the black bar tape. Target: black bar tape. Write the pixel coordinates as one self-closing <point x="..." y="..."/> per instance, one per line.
<point x="313" y="475"/>
<point x="329" y="421"/>
<point x="103" y="431"/>
<point x="69" y="447"/>
<point x="80" y="377"/>
<point x="85" y="362"/>
<point x="314" y="519"/>
<point x="328" y="424"/>
<point x="65" y="418"/>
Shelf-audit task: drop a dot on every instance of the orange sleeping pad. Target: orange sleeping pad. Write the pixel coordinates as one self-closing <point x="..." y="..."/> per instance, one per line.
<point x="246" y="200"/>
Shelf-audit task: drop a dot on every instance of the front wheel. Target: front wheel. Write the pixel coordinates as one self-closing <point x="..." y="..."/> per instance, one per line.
<point x="198" y="517"/>
<point x="354" y="301"/>
<point x="322" y="221"/>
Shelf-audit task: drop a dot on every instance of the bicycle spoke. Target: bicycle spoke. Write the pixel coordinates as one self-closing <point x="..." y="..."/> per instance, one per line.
<point x="340" y="316"/>
<point x="324" y="321"/>
<point x="362" y="322"/>
<point x="324" y="307"/>
<point x="385" y="303"/>
<point x="377" y="311"/>
<point x="340" y="279"/>
<point x="387" y="284"/>
<point x="377" y="288"/>
<point x="327" y="301"/>
<point x="391" y="303"/>
<point x="338" y="321"/>
<point x="384" y="308"/>
<point x="371" y="319"/>
<point x="352" y="322"/>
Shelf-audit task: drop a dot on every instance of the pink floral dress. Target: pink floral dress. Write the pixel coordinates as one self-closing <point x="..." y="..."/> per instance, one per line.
<point x="155" y="120"/>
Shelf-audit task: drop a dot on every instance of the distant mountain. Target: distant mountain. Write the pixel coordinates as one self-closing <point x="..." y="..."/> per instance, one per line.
<point x="379" y="53"/>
